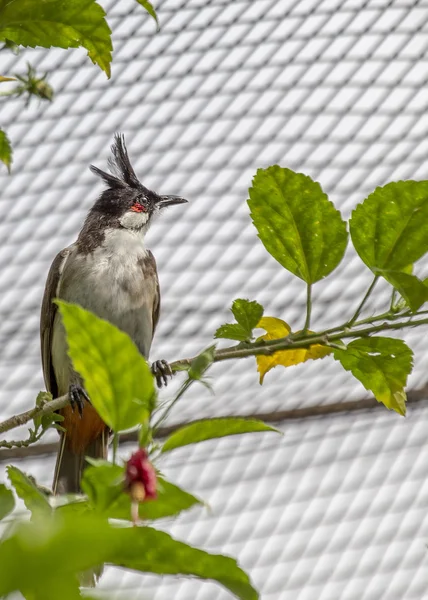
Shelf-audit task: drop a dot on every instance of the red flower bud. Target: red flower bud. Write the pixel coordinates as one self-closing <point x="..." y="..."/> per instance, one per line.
<point x="140" y="477"/>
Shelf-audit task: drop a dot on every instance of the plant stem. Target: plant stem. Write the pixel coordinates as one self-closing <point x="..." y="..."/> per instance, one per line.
<point x="364" y="300"/>
<point x="393" y="298"/>
<point x="170" y="406"/>
<point x="115" y="446"/>
<point x="308" y="306"/>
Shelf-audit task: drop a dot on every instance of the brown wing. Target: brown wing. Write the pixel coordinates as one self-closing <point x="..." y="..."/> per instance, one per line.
<point x="47" y="318"/>
<point x="151" y="267"/>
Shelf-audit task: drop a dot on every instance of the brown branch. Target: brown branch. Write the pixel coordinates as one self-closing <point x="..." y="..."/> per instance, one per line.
<point x="26" y="416"/>
<point x="241" y="350"/>
<point x="279" y="416"/>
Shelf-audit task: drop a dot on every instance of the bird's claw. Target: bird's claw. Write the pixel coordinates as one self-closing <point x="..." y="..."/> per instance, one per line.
<point x="78" y="395"/>
<point x="161" y="370"/>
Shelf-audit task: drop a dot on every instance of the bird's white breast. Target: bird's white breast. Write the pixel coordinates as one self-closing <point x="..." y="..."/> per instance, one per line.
<point x="112" y="283"/>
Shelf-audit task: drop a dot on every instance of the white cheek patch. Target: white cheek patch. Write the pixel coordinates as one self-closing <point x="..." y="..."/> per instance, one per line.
<point x="134" y="220"/>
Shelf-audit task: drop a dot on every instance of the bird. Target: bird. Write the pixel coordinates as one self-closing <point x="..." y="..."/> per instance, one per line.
<point x="109" y="271"/>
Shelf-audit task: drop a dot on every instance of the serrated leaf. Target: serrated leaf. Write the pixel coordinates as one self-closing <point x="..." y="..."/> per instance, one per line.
<point x="149" y="8"/>
<point x="5" y="150"/>
<point x="382" y="365"/>
<point x="74" y="543"/>
<point x="208" y="429"/>
<point x="35" y="501"/>
<point x="297" y="223"/>
<point x="153" y="551"/>
<point x="247" y="314"/>
<point x="232" y="331"/>
<point x="411" y="288"/>
<point x="104" y="485"/>
<point x="57" y="23"/>
<point x="276" y="329"/>
<point x="116" y="376"/>
<point x="7" y="501"/>
<point x="389" y="229"/>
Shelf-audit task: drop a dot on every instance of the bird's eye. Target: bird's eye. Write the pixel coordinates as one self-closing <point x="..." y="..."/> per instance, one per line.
<point x="137" y="207"/>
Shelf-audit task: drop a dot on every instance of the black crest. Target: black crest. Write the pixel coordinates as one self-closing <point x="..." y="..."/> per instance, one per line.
<point x="123" y="175"/>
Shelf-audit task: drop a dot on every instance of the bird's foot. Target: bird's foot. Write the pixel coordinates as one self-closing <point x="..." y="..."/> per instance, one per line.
<point x="161" y="370"/>
<point x="77" y="395"/>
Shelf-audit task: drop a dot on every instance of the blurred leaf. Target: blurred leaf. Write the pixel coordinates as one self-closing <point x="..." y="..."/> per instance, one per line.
<point x="149" y="8"/>
<point x="412" y="289"/>
<point x="7" y="501"/>
<point x="9" y="45"/>
<point x="247" y="315"/>
<point x="117" y="377"/>
<point x="201" y="363"/>
<point x="69" y="544"/>
<point x="389" y="229"/>
<point x="33" y="498"/>
<point x="104" y="485"/>
<point x="277" y="329"/>
<point x="152" y="551"/>
<point x="2" y="78"/>
<point x="52" y="549"/>
<point x="382" y="365"/>
<point x="57" y="23"/>
<point x="5" y="150"/>
<point x="208" y="429"/>
<point x="297" y="223"/>
<point x="75" y="507"/>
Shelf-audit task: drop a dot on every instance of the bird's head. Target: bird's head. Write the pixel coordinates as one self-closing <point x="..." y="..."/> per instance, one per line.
<point x="127" y="201"/>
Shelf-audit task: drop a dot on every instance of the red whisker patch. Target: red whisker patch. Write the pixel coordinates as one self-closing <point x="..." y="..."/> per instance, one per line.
<point x="137" y="207"/>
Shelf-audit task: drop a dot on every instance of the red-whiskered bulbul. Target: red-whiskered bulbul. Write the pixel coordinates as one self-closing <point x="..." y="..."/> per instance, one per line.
<point x="108" y="271"/>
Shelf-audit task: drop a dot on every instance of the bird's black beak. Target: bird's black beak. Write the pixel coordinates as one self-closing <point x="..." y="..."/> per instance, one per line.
<point x="170" y="200"/>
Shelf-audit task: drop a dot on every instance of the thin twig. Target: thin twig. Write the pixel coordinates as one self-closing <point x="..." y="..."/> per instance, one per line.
<point x="308" y="307"/>
<point x="363" y="301"/>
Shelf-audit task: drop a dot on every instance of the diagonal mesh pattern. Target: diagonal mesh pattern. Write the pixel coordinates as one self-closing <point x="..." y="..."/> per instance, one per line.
<point x="335" y="89"/>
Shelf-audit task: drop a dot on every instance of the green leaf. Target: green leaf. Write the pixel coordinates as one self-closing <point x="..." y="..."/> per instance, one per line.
<point x="117" y="377"/>
<point x="104" y="485"/>
<point x="247" y="315"/>
<point x="297" y="223"/>
<point x="47" y="420"/>
<point x="389" y="229"/>
<point x="149" y="8"/>
<point x="201" y="363"/>
<point x="382" y="365"/>
<point x="151" y="551"/>
<point x="35" y="501"/>
<point x="411" y="288"/>
<point x="208" y="429"/>
<point x="7" y="501"/>
<point x="76" y="543"/>
<point x="57" y="23"/>
<point x="232" y="331"/>
<point x="5" y="150"/>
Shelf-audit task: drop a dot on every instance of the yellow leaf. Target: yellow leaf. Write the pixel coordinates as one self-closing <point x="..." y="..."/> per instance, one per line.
<point x="277" y="328"/>
<point x="2" y="78"/>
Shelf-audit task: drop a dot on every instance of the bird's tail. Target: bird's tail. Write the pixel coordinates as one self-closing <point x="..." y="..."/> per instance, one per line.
<point x="70" y="465"/>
